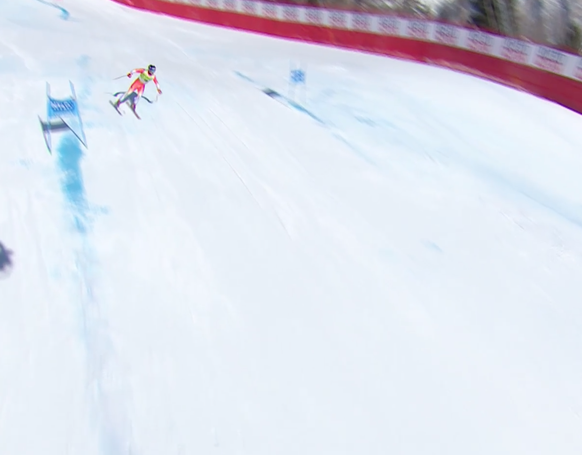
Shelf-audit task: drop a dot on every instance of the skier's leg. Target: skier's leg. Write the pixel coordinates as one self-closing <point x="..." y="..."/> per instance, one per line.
<point x="138" y="95"/>
<point x="123" y="98"/>
<point x="136" y="85"/>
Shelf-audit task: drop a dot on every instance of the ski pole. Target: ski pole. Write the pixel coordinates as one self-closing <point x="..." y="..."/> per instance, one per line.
<point x="120" y="77"/>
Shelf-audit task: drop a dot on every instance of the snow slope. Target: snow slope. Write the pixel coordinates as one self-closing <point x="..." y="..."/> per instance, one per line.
<point x="230" y="275"/>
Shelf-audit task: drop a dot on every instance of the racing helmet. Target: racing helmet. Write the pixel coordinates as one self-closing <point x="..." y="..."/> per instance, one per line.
<point x="152" y="69"/>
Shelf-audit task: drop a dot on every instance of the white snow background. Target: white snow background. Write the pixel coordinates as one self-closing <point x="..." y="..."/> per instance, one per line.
<point x="397" y="273"/>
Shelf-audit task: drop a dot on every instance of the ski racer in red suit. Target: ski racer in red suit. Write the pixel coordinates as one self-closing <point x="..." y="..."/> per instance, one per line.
<point x="138" y="86"/>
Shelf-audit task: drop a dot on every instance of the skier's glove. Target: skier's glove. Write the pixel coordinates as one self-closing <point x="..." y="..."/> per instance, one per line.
<point x="159" y="91"/>
<point x="128" y="74"/>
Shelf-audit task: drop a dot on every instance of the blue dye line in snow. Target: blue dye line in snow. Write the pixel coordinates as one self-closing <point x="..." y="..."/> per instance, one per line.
<point x="289" y="102"/>
<point x="568" y="211"/>
<point x="557" y="205"/>
<point x="245" y="77"/>
<point x="69" y="155"/>
<point x="94" y="332"/>
<point x="292" y="104"/>
<point x="281" y="98"/>
<point x="64" y="13"/>
<point x="69" y="161"/>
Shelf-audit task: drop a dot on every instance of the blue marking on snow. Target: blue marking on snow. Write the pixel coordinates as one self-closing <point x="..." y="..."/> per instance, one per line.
<point x="69" y="160"/>
<point x="94" y="332"/>
<point x="557" y="205"/>
<point x="245" y="77"/>
<point x="301" y="109"/>
<point x="432" y="246"/>
<point x="298" y="107"/>
<point x="482" y="170"/>
<point x="352" y="147"/>
<point x="280" y="97"/>
<point x="69" y="155"/>
<point x="290" y="103"/>
<point x="64" y="13"/>
<point x="83" y="61"/>
<point x="365" y="120"/>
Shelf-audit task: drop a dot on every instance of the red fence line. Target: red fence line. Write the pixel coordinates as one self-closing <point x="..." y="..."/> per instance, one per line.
<point x="504" y="60"/>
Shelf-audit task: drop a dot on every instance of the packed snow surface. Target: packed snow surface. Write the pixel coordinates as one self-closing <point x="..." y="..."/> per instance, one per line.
<point x="393" y="268"/>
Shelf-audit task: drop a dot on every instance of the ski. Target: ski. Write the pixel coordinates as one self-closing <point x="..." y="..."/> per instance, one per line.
<point x="130" y="108"/>
<point x="129" y="103"/>
<point x="135" y="113"/>
<point x="143" y="97"/>
<point x="115" y="107"/>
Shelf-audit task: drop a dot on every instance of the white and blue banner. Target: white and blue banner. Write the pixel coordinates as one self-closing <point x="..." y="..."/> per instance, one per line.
<point x="62" y="115"/>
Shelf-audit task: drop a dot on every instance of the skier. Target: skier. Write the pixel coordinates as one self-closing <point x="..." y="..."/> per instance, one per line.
<point x="139" y="84"/>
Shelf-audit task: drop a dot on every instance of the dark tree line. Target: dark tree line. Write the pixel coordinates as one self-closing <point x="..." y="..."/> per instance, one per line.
<point x="501" y="16"/>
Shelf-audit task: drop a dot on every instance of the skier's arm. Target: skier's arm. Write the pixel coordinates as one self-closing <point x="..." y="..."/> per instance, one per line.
<point x="135" y="71"/>
<point x="157" y="85"/>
